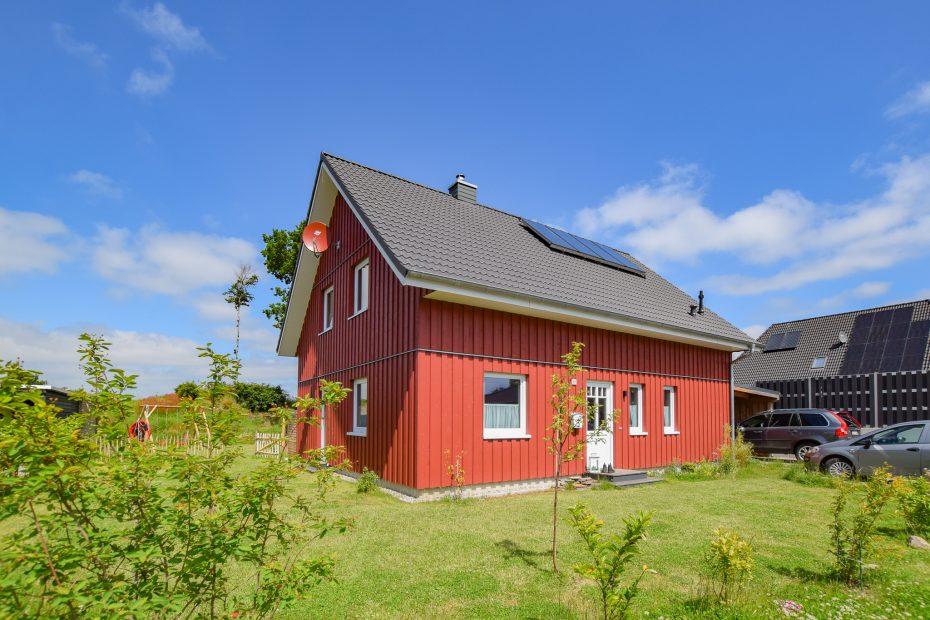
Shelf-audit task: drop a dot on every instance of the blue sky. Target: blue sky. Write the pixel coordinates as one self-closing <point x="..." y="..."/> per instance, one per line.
<point x="776" y="155"/>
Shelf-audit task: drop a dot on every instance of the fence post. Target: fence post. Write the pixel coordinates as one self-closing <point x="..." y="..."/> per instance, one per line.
<point x="875" y="399"/>
<point x="810" y="393"/>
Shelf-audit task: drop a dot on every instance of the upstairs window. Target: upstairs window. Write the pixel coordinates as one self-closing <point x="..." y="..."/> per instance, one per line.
<point x="504" y="406"/>
<point x="329" y="297"/>
<point x="668" y="410"/>
<point x="819" y="362"/>
<point x="361" y="287"/>
<point x="360" y="407"/>
<point x="636" y="409"/>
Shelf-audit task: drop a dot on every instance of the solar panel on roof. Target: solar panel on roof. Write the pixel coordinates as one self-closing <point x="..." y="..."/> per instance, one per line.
<point x="774" y="342"/>
<point x="782" y="341"/>
<point x="579" y="246"/>
<point x="791" y="340"/>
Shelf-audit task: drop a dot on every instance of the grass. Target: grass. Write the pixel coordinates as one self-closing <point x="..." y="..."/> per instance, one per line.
<point x="488" y="558"/>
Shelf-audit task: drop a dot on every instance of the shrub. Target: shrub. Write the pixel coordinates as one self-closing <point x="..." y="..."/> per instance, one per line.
<point x="261" y="397"/>
<point x="852" y="536"/>
<point x="188" y="389"/>
<point x="367" y="482"/>
<point x="913" y="496"/>
<point x="797" y="472"/>
<point x="701" y="470"/>
<point x="728" y="564"/>
<point x="609" y="557"/>
<point x="734" y="454"/>
<point x="456" y="471"/>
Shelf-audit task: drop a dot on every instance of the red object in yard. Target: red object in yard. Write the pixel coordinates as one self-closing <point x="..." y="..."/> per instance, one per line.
<point x="314" y="237"/>
<point x="140" y="430"/>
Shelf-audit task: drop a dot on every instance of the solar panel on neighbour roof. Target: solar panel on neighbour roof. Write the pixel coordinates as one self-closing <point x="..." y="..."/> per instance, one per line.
<point x="886" y="341"/>
<point x="579" y="246"/>
<point x="782" y="341"/>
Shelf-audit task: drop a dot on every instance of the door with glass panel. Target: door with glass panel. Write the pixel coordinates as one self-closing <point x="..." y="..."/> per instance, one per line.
<point x="600" y="426"/>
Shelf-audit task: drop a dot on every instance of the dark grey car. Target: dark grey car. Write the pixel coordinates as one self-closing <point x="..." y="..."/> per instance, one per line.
<point x="793" y="431"/>
<point x="904" y="447"/>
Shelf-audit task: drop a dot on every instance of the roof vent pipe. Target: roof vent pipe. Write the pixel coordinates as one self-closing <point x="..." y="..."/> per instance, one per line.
<point x="701" y="302"/>
<point x="464" y="190"/>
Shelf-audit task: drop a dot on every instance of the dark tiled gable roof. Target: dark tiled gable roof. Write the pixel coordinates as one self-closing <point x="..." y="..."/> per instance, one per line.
<point x="819" y="337"/>
<point x="429" y="232"/>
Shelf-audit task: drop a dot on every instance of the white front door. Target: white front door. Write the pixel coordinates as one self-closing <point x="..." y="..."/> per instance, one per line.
<point x="600" y="440"/>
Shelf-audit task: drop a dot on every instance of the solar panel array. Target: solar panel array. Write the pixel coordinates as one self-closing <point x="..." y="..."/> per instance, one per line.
<point x="579" y="246"/>
<point x="886" y="341"/>
<point x="782" y="341"/>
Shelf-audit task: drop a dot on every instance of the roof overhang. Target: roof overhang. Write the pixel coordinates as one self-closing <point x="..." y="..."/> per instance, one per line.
<point x="748" y="390"/>
<point x="325" y="189"/>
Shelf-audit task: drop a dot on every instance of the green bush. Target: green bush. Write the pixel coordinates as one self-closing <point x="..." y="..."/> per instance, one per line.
<point x="261" y="397"/>
<point x="367" y="482"/>
<point x="734" y="454"/>
<point x="852" y="535"/>
<point x="728" y="564"/>
<point x="913" y="496"/>
<point x="797" y="472"/>
<point x="188" y="389"/>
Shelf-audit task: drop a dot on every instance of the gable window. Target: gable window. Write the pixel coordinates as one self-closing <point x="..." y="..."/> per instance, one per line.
<point x="636" y="409"/>
<point x="819" y="362"/>
<point x="360" y="408"/>
<point x="361" y="288"/>
<point x="668" y="410"/>
<point x="504" y="406"/>
<point x="329" y="297"/>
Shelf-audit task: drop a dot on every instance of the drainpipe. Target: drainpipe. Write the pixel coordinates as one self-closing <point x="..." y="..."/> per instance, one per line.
<point x="752" y="349"/>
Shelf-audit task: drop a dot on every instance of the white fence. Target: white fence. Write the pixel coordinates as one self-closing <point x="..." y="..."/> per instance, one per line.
<point x="193" y="446"/>
<point x="268" y="444"/>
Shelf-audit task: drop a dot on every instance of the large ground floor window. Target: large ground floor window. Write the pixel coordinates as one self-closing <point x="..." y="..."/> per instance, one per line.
<point x="504" y="406"/>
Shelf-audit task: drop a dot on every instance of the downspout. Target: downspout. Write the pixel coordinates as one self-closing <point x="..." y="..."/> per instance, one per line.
<point x="752" y="349"/>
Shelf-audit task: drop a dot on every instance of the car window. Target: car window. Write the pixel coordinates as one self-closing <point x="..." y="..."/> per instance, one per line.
<point x="781" y="419"/>
<point x="813" y="419"/>
<point x="899" y="435"/>
<point x="754" y="422"/>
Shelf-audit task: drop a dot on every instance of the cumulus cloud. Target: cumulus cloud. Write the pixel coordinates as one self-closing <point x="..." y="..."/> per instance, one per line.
<point x="83" y="50"/>
<point x="866" y="290"/>
<point x="32" y="242"/>
<point x="161" y="261"/>
<point x="97" y="184"/>
<point x="148" y="82"/>
<point x="817" y="241"/>
<point x="914" y="101"/>
<point x="167" y="28"/>
<point x="161" y="361"/>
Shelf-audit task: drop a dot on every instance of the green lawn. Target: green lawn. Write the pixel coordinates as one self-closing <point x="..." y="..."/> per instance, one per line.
<point x="489" y="558"/>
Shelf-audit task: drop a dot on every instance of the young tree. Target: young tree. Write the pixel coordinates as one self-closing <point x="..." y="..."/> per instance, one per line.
<point x="565" y="442"/>
<point x="240" y="296"/>
<point x="281" y="249"/>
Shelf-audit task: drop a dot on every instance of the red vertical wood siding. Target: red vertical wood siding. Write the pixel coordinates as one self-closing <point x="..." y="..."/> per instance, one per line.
<point x="458" y="344"/>
<point x="377" y="345"/>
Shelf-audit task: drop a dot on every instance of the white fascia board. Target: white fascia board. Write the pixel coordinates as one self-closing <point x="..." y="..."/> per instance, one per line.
<point x="455" y="292"/>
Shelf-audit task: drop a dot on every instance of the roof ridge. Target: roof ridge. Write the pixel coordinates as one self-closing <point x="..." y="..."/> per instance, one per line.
<point x="448" y="195"/>
<point x="863" y="310"/>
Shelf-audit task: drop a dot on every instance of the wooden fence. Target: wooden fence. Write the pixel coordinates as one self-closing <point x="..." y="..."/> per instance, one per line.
<point x="268" y="444"/>
<point x="876" y="399"/>
<point x="192" y="445"/>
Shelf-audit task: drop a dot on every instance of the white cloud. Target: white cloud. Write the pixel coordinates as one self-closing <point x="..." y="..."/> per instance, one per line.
<point x="172" y="263"/>
<point x="97" y="183"/>
<point x="32" y="242"/>
<point x="915" y="100"/>
<point x="147" y="83"/>
<point x="667" y="220"/>
<point x="160" y="360"/>
<point x="83" y="50"/>
<point x="167" y="28"/>
<point x="866" y="290"/>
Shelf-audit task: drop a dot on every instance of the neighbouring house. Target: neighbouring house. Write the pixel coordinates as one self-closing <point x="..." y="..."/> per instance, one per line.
<point x="447" y="319"/>
<point x="871" y="363"/>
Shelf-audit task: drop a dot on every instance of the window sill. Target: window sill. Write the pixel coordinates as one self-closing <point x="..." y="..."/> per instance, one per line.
<point x="357" y="313"/>
<point x="328" y="329"/>
<point x="638" y="433"/>
<point x="357" y="434"/>
<point x="517" y="436"/>
<point x="671" y="431"/>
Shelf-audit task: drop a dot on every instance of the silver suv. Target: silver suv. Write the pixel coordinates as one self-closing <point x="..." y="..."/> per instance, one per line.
<point x="793" y="431"/>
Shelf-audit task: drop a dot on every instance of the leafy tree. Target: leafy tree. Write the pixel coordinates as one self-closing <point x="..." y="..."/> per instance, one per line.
<point x="188" y="389"/>
<point x="565" y="442"/>
<point x="281" y="249"/>
<point x="261" y="397"/>
<point x="151" y="531"/>
<point x="239" y="294"/>
<point x="853" y="535"/>
<point x="609" y="557"/>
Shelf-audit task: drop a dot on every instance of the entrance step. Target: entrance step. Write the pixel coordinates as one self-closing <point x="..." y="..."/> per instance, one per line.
<point x="623" y="477"/>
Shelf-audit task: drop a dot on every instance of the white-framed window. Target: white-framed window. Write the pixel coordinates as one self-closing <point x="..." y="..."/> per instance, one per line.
<point x="360" y="294"/>
<point x="504" y="406"/>
<point x="329" y="299"/>
<point x="360" y="407"/>
<point x="636" y="409"/>
<point x="668" y="410"/>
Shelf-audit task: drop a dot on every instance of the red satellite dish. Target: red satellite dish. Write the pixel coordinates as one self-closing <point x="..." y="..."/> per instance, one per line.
<point x="315" y="237"/>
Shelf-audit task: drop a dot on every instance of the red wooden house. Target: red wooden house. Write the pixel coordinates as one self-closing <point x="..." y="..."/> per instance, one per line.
<point x="448" y="318"/>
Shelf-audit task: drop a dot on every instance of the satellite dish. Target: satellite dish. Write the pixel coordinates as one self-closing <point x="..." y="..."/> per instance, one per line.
<point x="314" y="237"/>
<point x="843" y="338"/>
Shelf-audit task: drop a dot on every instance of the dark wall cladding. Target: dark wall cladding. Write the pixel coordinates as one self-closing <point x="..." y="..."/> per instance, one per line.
<point x="876" y="399"/>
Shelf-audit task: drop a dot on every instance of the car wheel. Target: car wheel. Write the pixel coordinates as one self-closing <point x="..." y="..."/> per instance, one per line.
<point x="838" y="467"/>
<point x="802" y="449"/>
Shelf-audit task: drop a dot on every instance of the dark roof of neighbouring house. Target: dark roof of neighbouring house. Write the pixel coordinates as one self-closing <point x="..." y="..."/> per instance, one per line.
<point x="429" y="232"/>
<point x="819" y="338"/>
